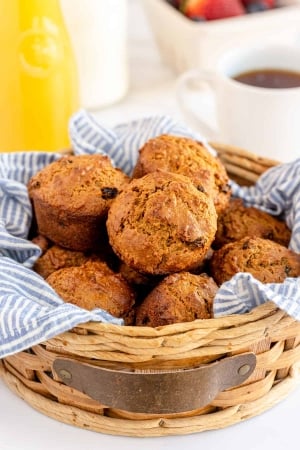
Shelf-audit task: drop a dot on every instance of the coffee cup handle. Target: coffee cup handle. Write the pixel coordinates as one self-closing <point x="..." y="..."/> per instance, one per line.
<point x="190" y="84"/>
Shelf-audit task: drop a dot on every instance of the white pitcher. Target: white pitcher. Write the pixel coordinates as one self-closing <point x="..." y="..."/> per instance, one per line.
<point x="98" y="30"/>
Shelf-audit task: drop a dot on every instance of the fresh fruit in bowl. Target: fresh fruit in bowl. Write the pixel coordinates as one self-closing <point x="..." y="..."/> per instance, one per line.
<point x="211" y="9"/>
<point x="253" y="6"/>
<point x="201" y="10"/>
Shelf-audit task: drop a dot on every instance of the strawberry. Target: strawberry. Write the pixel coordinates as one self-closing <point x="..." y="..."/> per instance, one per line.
<point x="212" y="9"/>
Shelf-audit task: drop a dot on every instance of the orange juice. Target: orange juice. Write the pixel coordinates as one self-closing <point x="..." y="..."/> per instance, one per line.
<point x="38" y="78"/>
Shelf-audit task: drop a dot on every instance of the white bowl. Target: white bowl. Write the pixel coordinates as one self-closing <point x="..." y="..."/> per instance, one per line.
<point x="185" y="44"/>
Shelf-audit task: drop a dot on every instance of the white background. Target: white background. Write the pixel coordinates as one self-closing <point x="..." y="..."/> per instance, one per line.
<point x="151" y="91"/>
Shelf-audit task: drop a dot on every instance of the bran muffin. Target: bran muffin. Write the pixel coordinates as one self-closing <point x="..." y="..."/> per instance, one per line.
<point x="133" y="277"/>
<point x="267" y="261"/>
<point x="161" y="224"/>
<point x="57" y="257"/>
<point x="239" y="221"/>
<point x="71" y="197"/>
<point x="94" y="285"/>
<point x="186" y="157"/>
<point x="180" y="297"/>
<point x="140" y="282"/>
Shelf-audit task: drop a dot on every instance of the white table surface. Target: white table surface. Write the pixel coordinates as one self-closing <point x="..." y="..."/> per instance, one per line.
<point x="151" y="91"/>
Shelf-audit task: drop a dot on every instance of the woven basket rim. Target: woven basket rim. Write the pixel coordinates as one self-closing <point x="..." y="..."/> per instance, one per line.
<point x="230" y="320"/>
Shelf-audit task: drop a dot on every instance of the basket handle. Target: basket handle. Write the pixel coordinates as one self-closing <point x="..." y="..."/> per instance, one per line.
<point x="156" y="391"/>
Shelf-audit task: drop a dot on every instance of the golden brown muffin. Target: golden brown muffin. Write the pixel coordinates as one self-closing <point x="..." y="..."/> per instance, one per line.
<point x="134" y="277"/>
<point x="266" y="260"/>
<point x="57" y="257"/>
<point x="186" y="157"/>
<point x="180" y="297"/>
<point x="94" y="285"/>
<point x="161" y="224"/>
<point x="71" y="198"/>
<point x="239" y="221"/>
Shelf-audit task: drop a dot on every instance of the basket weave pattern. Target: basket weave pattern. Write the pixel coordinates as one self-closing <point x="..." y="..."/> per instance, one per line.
<point x="266" y="331"/>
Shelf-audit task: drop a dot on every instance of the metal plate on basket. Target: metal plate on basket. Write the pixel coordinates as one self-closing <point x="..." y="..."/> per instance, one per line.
<point x="156" y="391"/>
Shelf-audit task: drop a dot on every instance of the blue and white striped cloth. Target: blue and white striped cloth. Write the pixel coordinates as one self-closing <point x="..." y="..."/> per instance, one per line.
<point x="31" y="312"/>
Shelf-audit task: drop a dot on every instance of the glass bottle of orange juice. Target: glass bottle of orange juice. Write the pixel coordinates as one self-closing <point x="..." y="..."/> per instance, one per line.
<point x="38" y="79"/>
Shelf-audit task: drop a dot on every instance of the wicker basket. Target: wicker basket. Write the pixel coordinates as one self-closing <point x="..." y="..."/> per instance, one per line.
<point x="176" y="379"/>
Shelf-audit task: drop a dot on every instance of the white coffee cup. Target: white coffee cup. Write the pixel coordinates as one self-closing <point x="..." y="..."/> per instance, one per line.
<point x="263" y="120"/>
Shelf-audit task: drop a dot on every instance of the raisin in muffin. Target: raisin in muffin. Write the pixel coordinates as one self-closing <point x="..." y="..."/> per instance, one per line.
<point x="180" y="297"/>
<point x="267" y="261"/>
<point x="71" y="197"/>
<point x="187" y="157"/>
<point x="94" y="285"/>
<point x="161" y="224"/>
<point x="239" y="221"/>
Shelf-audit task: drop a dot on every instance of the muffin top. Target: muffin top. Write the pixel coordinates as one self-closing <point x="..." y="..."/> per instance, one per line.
<point x="187" y="157"/>
<point x="57" y="257"/>
<point x="267" y="261"/>
<point x="93" y="285"/>
<point x="179" y="297"/>
<point x="161" y="223"/>
<point x="239" y="221"/>
<point x="84" y="184"/>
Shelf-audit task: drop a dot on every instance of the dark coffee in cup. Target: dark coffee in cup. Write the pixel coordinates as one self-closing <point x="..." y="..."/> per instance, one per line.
<point x="270" y="78"/>
<point x="264" y="120"/>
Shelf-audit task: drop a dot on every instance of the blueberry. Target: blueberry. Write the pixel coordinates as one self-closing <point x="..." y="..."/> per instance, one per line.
<point x="198" y="18"/>
<point x="256" y="7"/>
<point x="173" y="3"/>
